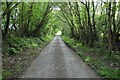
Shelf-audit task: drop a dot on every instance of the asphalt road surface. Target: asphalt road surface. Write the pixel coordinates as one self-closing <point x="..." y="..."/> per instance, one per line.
<point x="58" y="61"/>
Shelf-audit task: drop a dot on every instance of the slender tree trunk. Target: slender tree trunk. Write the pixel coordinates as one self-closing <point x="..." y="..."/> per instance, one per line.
<point x="114" y="25"/>
<point x="26" y="26"/>
<point x="89" y="24"/>
<point x="109" y="27"/>
<point x="81" y="35"/>
<point x="86" y="28"/>
<point x="22" y="22"/>
<point x="7" y="21"/>
<point x="93" y="21"/>
<point x="72" y="21"/>
<point x="8" y="9"/>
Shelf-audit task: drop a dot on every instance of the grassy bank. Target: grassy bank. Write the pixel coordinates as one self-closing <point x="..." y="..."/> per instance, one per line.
<point x="18" y="52"/>
<point x="105" y="64"/>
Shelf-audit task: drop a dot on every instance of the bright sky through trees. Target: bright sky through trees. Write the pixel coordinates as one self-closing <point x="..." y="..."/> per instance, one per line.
<point x="59" y="33"/>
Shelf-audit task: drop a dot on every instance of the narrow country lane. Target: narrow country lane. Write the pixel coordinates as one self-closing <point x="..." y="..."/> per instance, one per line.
<point x="58" y="61"/>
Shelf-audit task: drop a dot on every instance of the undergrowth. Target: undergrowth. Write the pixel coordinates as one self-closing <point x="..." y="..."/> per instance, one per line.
<point x="15" y="45"/>
<point x="18" y="52"/>
<point x="106" y="64"/>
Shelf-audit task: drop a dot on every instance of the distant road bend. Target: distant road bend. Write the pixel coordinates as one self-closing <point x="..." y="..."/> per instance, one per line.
<point x="58" y="61"/>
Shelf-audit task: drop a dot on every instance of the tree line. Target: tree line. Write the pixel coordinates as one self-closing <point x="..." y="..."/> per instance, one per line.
<point x="91" y="22"/>
<point x="24" y="19"/>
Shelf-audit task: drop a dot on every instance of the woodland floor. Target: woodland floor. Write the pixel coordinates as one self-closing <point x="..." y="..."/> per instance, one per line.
<point x="15" y="66"/>
<point x="58" y="61"/>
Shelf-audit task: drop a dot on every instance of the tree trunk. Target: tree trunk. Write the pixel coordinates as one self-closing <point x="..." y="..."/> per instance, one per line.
<point x="93" y="24"/>
<point x="114" y="25"/>
<point x="26" y="32"/>
<point x="89" y="24"/>
<point x="81" y="35"/>
<point x="109" y="27"/>
<point x="7" y="21"/>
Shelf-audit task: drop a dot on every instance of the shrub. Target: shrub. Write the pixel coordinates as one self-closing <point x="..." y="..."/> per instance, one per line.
<point x="12" y="51"/>
<point x="14" y="44"/>
<point x="33" y="45"/>
<point x="6" y="73"/>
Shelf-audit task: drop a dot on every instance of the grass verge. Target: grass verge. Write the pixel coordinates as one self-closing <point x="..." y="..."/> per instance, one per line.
<point x="106" y="65"/>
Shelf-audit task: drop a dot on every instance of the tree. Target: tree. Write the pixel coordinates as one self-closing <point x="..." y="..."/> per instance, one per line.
<point x="43" y="20"/>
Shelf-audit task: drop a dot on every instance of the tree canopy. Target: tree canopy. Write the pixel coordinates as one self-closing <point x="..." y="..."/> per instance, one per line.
<point x="93" y="24"/>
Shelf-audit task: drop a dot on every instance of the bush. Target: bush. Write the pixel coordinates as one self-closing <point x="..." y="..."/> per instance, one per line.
<point x="107" y="72"/>
<point x="12" y="51"/>
<point x="14" y="44"/>
<point x="88" y="59"/>
<point x="33" y="45"/>
<point x="7" y="73"/>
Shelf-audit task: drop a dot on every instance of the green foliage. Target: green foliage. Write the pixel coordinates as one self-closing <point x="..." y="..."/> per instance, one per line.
<point x="68" y="40"/>
<point x="73" y="20"/>
<point x="18" y="44"/>
<point x="107" y="72"/>
<point x="97" y="57"/>
<point x="47" y="38"/>
<point x="34" y="44"/>
<point x="6" y="73"/>
<point x="22" y="51"/>
<point x="12" y="51"/>
<point x="15" y="45"/>
<point x="88" y="59"/>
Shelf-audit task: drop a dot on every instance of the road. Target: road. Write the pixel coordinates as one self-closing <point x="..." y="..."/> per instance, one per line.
<point x="58" y="61"/>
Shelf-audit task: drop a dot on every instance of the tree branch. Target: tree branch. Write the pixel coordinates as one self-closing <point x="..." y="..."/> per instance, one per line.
<point x="6" y="10"/>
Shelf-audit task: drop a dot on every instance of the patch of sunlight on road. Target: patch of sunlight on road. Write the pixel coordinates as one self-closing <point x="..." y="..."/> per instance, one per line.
<point x="59" y="33"/>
